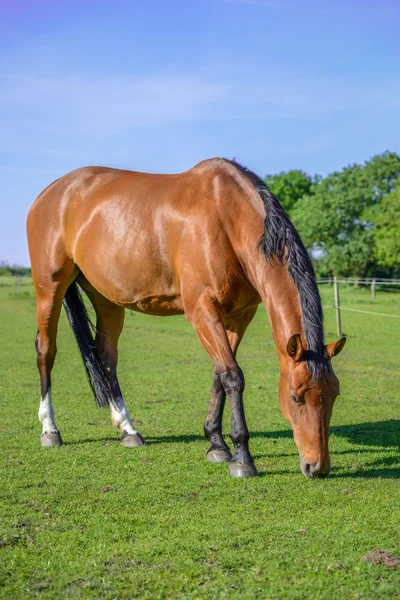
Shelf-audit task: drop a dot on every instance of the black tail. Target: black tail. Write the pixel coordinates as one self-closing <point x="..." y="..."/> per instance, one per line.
<point x="82" y="328"/>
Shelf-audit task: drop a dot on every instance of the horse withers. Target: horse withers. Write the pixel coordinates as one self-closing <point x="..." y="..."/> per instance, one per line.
<point x="211" y="243"/>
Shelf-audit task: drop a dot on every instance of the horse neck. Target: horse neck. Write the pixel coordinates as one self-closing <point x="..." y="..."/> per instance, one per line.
<point x="270" y="279"/>
<point x="280" y="298"/>
<point x="282" y="302"/>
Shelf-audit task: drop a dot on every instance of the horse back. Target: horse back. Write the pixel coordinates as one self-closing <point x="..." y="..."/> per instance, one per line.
<point x="138" y="237"/>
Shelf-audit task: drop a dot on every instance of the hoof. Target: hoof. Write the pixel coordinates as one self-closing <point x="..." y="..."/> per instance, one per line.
<point x="132" y="440"/>
<point x="51" y="439"/>
<point x="219" y="456"/>
<point x="238" y="470"/>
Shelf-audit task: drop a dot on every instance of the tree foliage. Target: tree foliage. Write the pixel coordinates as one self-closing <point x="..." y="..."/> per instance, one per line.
<point x="6" y="269"/>
<point x="387" y="230"/>
<point x="289" y="187"/>
<point x="338" y="217"/>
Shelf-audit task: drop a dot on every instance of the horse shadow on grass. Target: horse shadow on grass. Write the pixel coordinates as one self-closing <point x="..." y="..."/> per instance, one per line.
<point x="383" y="434"/>
<point x="371" y="437"/>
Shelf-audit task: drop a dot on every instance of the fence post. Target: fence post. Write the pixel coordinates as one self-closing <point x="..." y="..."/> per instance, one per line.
<point x="337" y="307"/>
<point x="373" y="289"/>
<point x="17" y="284"/>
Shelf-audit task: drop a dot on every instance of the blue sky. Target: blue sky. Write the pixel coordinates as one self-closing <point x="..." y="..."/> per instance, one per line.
<point x="160" y="85"/>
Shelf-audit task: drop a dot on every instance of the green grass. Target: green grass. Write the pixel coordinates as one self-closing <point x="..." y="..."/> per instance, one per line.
<point x="96" y="520"/>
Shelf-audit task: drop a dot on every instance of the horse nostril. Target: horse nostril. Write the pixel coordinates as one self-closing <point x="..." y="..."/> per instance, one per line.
<point x="307" y="469"/>
<point x="314" y="470"/>
<point x="310" y="470"/>
<point x="317" y="470"/>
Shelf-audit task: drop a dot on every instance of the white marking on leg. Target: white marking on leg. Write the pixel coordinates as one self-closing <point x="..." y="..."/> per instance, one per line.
<point x="120" y="418"/>
<point x="46" y="414"/>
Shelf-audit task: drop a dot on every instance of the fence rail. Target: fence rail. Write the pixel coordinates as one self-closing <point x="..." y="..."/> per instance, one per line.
<point x="361" y="280"/>
<point x="370" y="281"/>
<point x="18" y="282"/>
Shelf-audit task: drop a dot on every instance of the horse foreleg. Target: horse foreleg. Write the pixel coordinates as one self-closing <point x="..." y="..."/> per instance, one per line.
<point x="208" y="323"/>
<point x="219" y="451"/>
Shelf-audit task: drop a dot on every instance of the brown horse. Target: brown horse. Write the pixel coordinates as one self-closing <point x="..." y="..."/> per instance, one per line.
<point x="212" y="243"/>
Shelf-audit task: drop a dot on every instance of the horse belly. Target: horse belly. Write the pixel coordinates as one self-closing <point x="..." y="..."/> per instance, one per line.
<point x="159" y="305"/>
<point x="136" y="286"/>
<point x="130" y="275"/>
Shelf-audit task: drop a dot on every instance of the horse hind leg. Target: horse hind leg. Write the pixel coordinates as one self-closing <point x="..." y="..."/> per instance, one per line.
<point x="49" y="296"/>
<point x="109" y="324"/>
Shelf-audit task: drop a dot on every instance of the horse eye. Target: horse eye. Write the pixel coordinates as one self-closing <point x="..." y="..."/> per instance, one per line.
<point x="295" y="399"/>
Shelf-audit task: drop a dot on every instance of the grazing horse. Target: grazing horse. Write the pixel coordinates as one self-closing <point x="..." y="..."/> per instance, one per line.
<point x="212" y="243"/>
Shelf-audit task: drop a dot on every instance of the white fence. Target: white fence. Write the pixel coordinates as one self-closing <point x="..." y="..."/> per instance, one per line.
<point x="18" y="283"/>
<point x="372" y="283"/>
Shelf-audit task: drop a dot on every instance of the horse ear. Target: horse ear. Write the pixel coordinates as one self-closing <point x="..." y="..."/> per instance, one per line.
<point x="334" y="348"/>
<point x="295" y="347"/>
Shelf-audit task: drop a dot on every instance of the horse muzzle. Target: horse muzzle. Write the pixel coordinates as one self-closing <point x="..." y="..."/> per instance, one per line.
<point x="319" y="469"/>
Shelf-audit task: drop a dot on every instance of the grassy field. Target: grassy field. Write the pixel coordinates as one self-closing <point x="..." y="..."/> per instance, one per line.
<point x="96" y="520"/>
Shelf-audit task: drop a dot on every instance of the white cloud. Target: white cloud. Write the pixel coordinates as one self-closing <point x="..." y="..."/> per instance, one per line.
<point x="112" y="102"/>
<point x="52" y="104"/>
<point x="66" y="117"/>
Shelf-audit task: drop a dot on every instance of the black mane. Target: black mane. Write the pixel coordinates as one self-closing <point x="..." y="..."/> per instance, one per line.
<point x="281" y="240"/>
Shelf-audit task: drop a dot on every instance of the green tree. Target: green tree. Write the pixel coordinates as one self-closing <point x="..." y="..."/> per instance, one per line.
<point x="6" y="269"/>
<point x="330" y="222"/>
<point x="336" y="220"/>
<point x="289" y="187"/>
<point x="382" y="172"/>
<point x="387" y="230"/>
